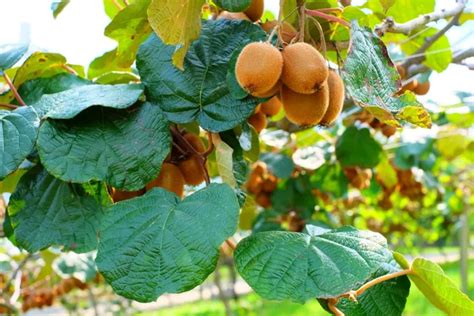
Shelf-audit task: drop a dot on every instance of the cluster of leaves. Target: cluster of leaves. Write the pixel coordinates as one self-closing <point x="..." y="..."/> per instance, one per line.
<point x="79" y="135"/>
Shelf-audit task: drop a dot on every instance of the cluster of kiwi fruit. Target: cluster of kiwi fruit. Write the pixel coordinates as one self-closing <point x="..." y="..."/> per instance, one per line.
<point x="266" y="109"/>
<point x="39" y="298"/>
<point x="253" y="13"/>
<point x="261" y="183"/>
<point x="419" y="88"/>
<point x="180" y="168"/>
<point x="310" y="92"/>
<point x="358" y="178"/>
<point x="368" y="118"/>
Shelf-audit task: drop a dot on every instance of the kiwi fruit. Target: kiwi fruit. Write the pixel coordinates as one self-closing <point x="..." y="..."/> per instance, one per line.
<point x="263" y="199"/>
<point x="258" y="67"/>
<point x="254" y="183"/>
<point x="226" y="15"/>
<point x="305" y="109"/>
<point x="259" y="168"/>
<point x="271" y="107"/>
<point x="196" y="142"/>
<point x="258" y="121"/>
<point x="411" y="86"/>
<point x="255" y="11"/>
<point x="192" y="171"/>
<point x="304" y="68"/>
<point x="170" y="178"/>
<point x="286" y="31"/>
<point x="422" y="88"/>
<point x="275" y="90"/>
<point x="388" y="130"/>
<point x="336" y="98"/>
<point x="401" y="71"/>
<point x="270" y="184"/>
<point x="118" y="195"/>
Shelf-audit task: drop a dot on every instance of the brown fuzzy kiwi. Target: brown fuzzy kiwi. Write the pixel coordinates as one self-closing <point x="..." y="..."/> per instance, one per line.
<point x="258" y="121"/>
<point x="275" y="90"/>
<point x="263" y="199"/>
<point x="401" y="71"/>
<point x="192" y="171"/>
<point x="196" y="142"/>
<point x="232" y="16"/>
<point x="118" y="195"/>
<point x="259" y="168"/>
<point x="270" y="183"/>
<point x="254" y="183"/>
<point x="170" y="178"/>
<point x="410" y="86"/>
<point x="422" y="88"/>
<point x="388" y="130"/>
<point x="271" y="107"/>
<point x="305" y="109"/>
<point x="336" y="98"/>
<point x="304" y="68"/>
<point x="255" y="11"/>
<point x="286" y="31"/>
<point x="258" y="67"/>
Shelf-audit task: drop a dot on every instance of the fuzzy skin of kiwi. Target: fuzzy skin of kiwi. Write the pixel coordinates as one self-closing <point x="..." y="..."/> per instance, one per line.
<point x="192" y="171"/>
<point x="304" y="68"/>
<point x="270" y="93"/>
<point x="170" y="178"/>
<point x="286" y="31"/>
<point x="258" y="67"/>
<point x="255" y="11"/>
<point x="232" y="16"/>
<point x="336" y="98"/>
<point x="271" y="107"/>
<point x="305" y="109"/>
<point x="258" y="121"/>
<point x="118" y="195"/>
<point x="422" y="88"/>
<point x="196" y="142"/>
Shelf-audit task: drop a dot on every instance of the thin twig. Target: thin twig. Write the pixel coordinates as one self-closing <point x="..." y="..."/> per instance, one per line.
<point x="302" y="17"/>
<point x="332" y="307"/>
<point x="458" y="57"/>
<point x="389" y="25"/>
<point x="13" y="89"/>
<point x="9" y="106"/>
<point x="328" y="17"/>
<point x="429" y="41"/>
<point x="15" y="272"/>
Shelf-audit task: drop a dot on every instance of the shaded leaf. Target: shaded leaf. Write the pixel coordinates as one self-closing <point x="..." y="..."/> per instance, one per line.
<point x="46" y="211"/>
<point x="279" y="164"/>
<point x="104" y="64"/>
<point x="10" y="54"/>
<point x="123" y="148"/>
<point x="157" y="244"/>
<point x="233" y="5"/>
<point x="357" y="147"/>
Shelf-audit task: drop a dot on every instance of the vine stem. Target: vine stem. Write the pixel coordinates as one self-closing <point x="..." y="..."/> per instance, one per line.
<point x="231" y="244"/>
<point x="118" y="5"/>
<point x="9" y="106"/>
<point x="328" y="17"/>
<point x="302" y="16"/>
<point x="13" y="89"/>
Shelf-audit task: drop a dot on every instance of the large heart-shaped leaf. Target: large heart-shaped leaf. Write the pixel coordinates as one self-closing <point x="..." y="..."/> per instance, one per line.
<point x="157" y="244"/>
<point x="10" y="55"/>
<point x="300" y="266"/>
<point x="17" y="137"/>
<point x="372" y="81"/>
<point x="46" y="211"/>
<point x="69" y="103"/>
<point x="124" y="148"/>
<point x="356" y="147"/>
<point x="431" y="280"/>
<point x="200" y="92"/>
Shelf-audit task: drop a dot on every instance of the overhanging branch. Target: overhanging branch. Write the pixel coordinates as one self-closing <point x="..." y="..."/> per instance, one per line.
<point x="458" y="58"/>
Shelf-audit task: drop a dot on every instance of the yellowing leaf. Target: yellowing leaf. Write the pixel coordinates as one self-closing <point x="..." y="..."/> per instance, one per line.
<point x="451" y="146"/>
<point x="386" y="174"/>
<point x="176" y="23"/>
<point x="224" y="161"/>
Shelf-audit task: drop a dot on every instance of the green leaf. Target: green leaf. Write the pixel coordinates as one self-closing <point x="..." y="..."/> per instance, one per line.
<point x="124" y="148"/>
<point x="157" y="244"/>
<point x="69" y="103"/>
<point x="280" y="165"/>
<point x="299" y="266"/>
<point x="386" y="174"/>
<point x="129" y="28"/>
<point x="387" y="298"/>
<point x="9" y="183"/>
<point x="117" y="77"/>
<point x="113" y="7"/>
<point x="372" y="80"/>
<point x="330" y="178"/>
<point x="233" y="5"/>
<point x="58" y="6"/>
<point x="431" y="280"/>
<point x="80" y="266"/>
<point x="357" y="147"/>
<point x="106" y="63"/>
<point x="45" y="211"/>
<point x="33" y="90"/>
<point x="10" y="54"/>
<point x="405" y="10"/>
<point x="17" y="137"/>
<point x="176" y="23"/>
<point x="199" y="92"/>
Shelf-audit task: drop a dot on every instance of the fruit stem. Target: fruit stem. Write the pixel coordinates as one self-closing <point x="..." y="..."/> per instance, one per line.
<point x="69" y="69"/>
<point x="302" y="18"/>
<point x="9" y="106"/>
<point x="13" y="89"/>
<point x="328" y="17"/>
<point x="332" y="307"/>
<point x="230" y="243"/>
<point x="381" y="279"/>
